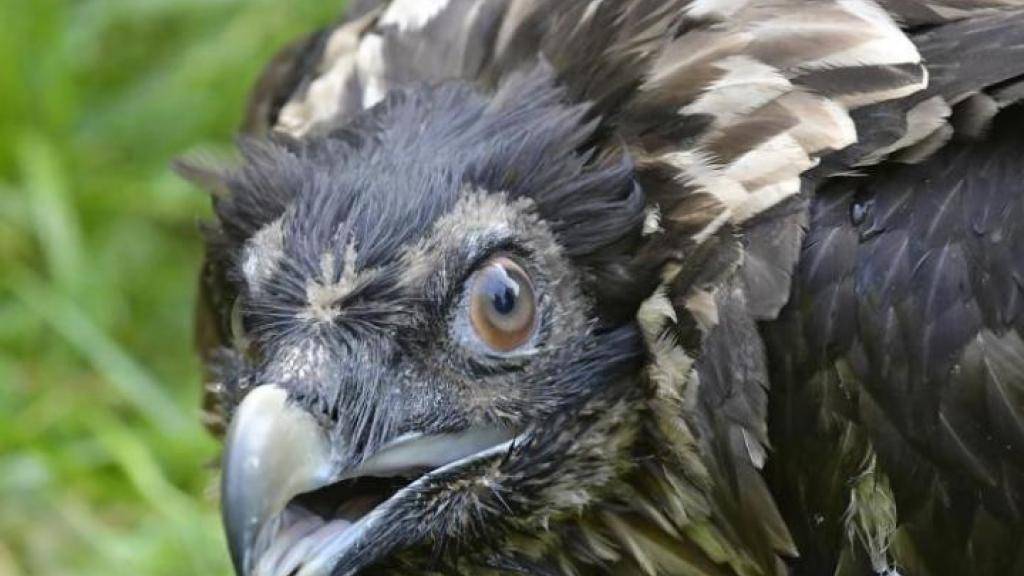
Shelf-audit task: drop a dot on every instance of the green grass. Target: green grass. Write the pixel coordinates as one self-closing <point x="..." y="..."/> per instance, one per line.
<point x="104" y="468"/>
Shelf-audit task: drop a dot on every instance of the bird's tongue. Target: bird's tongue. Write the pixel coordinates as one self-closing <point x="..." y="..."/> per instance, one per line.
<point x="316" y="519"/>
<point x="301" y="533"/>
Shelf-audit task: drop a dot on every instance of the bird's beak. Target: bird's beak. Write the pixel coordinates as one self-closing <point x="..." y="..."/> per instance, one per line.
<point x="273" y="452"/>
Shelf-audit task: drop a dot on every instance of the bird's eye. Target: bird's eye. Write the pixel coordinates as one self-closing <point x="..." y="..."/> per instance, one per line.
<point x="502" y="305"/>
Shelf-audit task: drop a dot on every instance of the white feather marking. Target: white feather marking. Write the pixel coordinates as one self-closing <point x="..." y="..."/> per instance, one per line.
<point x="262" y="255"/>
<point x="845" y="33"/>
<point x="325" y="295"/>
<point x="858" y="99"/>
<point x="824" y="124"/>
<point x="671" y="363"/>
<point x="371" y="67"/>
<point x="757" y="180"/>
<point x="654" y="312"/>
<point x="412" y="14"/>
<point x="871" y="517"/>
<point x="671" y="366"/>
<point x="766" y="197"/>
<point x="748" y="60"/>
<point x="591" y="10"/>
<point x="780" y="154"/>
<point x="652" y="221"/>
<point x="755" y="450"/>
<point x="701" y="304"/>
<point x="697" y="169"/>
<point x="717" y="8"/>
<point x="712" y="227"/>
<point x="323" y="99"/>
<point x="692" y="51"/>
<point x="322" y="102"/>
<point x="746" y="85"/>
<point x="892" y="46"/>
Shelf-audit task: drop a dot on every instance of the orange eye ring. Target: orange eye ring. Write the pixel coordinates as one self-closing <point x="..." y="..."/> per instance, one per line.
<point x="502" y="305"/>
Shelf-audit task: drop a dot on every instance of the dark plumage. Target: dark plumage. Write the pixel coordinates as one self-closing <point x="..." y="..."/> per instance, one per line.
<point x="660" y="287"/>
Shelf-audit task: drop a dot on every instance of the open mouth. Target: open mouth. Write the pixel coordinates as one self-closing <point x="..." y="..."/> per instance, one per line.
<point x="318" y="526"/>
<point x="312" y="522"/>
<point x="289" y="511"/>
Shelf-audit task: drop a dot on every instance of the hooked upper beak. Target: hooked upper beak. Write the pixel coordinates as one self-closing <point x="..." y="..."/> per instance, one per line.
<point x="274" y="451"/>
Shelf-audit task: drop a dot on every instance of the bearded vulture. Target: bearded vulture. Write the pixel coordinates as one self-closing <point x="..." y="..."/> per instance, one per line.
<point x="578" y="287"/>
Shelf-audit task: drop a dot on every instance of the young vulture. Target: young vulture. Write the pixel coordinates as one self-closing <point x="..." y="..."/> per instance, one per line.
<point x="717" y="287"/>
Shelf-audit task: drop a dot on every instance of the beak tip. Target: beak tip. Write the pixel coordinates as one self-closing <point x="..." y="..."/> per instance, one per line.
<point x="273" y="451"/>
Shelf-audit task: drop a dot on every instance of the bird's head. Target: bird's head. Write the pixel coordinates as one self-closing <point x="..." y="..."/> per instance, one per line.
<point x="431" y="345"/>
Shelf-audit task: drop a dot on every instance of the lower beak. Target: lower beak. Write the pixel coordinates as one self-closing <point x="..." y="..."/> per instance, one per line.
<point x="274" y="451"/>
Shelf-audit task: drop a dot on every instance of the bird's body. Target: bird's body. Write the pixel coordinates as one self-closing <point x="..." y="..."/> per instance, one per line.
<point x="723" y="287"/>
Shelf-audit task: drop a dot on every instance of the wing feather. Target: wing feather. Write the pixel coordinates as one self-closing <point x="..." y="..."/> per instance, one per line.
<point x="933" y="344"/>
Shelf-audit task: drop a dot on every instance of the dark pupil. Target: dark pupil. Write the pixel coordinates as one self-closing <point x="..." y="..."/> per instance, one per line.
<point x="504" y="299"/>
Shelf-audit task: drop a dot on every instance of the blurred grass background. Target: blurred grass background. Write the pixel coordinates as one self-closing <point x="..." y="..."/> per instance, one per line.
<point x="103" y="463"/>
